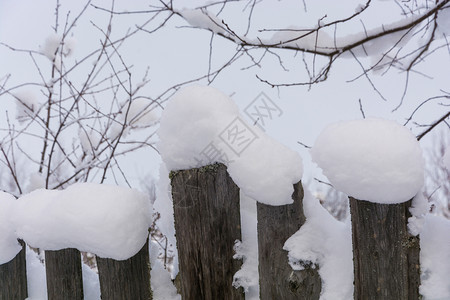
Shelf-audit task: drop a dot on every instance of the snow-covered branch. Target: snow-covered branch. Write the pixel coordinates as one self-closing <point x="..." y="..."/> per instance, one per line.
<point x="389" y="44"/>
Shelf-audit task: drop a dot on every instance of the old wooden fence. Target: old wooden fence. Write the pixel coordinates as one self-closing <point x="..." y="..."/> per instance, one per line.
<point x="207" y="222"/>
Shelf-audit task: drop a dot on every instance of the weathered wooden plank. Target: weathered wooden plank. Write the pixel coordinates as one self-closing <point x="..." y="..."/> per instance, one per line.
<point x="385" y="255"/>
<point x="277" y="279"/>
<point x="207" y="223"/>
<point x="64" y="277"/>
<point x="126" y="279"/>
<point x="13" y="278"/>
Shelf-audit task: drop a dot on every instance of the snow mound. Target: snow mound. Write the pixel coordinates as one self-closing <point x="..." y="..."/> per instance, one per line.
<point x="201" y="126"/>
<point x="9" y="246"/>
<point x="110" y="221"/>
<point x="372" y="159"/>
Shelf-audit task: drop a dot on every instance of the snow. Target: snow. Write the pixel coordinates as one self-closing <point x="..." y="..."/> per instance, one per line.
<point x="435" y="258"/>
<point x="372" y="159"/>
<point x="27" y="105"/>
<point x="110" y="221"/>
<point x="89" y="139"/>
<point x="446" y="158"/>
<point x="359" y="8"/>
<point x="115" y="130"/>
<point x="247" y="250"/>
<point x="51" y="45"/>
<point x="161" y="282"/>
<point x="137" y="114"/>
<point x="164" y="206"/>
<point x="327" y="242"/>
<point x="9" y="247"/>
<point x="69" y="46"/>
<point x="140" y="113"/>
<point x="201" y="125"/>
<point x="36" y="277"/>
<point x="192" y="119"/>
<point x="419" y="209"/>
<point x="328" y="41"/>
<point x="51" y="48"/>
<point x="55" y="45"/>
<point x="302" y="38"/>
<point x="266" y="171"/>
<point x="203" y="19"/>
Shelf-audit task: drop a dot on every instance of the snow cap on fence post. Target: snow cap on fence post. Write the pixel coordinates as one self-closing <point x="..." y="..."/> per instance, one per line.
<point x="201" y="126"/>
<point x="372" y="159"/>
<point x="109" y="221"/>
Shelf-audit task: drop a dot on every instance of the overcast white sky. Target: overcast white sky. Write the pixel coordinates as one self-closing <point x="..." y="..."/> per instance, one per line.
<point x="175" y="54"/>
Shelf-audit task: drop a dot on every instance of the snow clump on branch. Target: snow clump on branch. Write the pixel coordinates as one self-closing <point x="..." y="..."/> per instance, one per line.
<point x="27" y="106"/>
<point x="55" y="45"/>
<point x="203" y="19"/>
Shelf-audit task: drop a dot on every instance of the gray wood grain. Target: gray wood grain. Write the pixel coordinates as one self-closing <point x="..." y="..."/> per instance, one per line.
<point x="13" y="277"/>
<point x="277" y="279"/>
<point x="385" y="255"/>
<point x="207" y="223"/>
<point x="64" y="278"/>
<point x="125" y="279"/>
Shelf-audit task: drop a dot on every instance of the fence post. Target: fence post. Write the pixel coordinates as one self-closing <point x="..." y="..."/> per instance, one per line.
<point x="126" y="279"/>
<point x="207" y="223"/>
<point x="276" y="277"/>
<point x="64" y="278"/>
<point x="385" y="255"/>
<point x="13" y="277"/>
